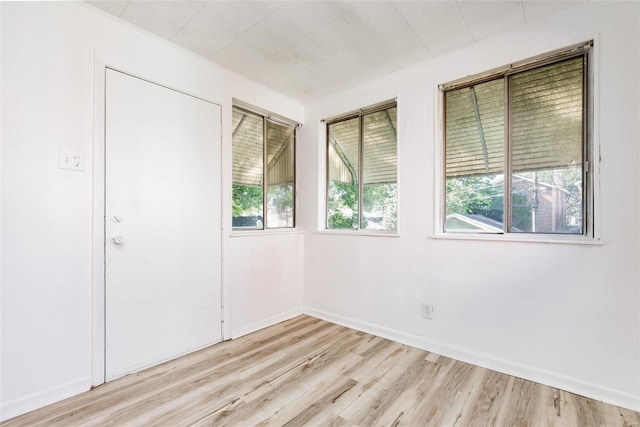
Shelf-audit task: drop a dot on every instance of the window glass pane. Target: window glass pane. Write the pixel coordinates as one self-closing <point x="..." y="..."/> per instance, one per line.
<point x="379" y="168"/>
<point x="343" y="170"/>
<point x="547" y="201"/>
<point x="474" y="158"/>
<point x="475" y="129"/>
<point x="547" y="148"/>
<point x="475" y="203"/>
<point x="247" y="170"/>
<point x="280" y="175"/>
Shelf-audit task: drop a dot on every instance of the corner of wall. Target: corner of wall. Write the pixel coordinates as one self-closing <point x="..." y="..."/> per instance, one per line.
<point x="265" y="323"/>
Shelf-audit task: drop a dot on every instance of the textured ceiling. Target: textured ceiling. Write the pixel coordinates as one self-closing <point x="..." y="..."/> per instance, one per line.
<point x="309" y="49"/>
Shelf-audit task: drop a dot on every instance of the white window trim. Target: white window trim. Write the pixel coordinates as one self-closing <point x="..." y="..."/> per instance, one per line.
<point x="593" y="238"/>
<point x="267" y="232"/>
<point x="360" y="232"/>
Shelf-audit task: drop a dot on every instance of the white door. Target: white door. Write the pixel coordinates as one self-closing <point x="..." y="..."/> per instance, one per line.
<point x="162" y="209"/>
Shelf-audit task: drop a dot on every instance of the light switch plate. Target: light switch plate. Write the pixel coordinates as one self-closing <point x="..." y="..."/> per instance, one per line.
<point x="70" y="161"/>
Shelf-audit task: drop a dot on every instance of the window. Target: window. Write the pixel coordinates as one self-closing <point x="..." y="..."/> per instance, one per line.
<point x="260" y="141"/>
<point x="362" y="170"/>
<point x="516" y="149"/>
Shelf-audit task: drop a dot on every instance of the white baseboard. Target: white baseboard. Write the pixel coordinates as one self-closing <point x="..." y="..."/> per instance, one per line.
<point x="30" y="402"/>
<point x="256" y="326"/>
<point x="548" y="378"/>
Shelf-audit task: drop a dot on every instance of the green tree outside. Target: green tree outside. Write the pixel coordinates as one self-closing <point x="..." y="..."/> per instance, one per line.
<point x="247" y="200"/>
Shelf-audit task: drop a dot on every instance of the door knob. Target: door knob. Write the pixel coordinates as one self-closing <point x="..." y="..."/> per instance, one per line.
<point x="118" y="240"/>
<point x="116" y="218"/>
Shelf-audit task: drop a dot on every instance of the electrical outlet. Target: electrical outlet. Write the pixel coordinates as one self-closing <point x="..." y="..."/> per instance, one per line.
<point x="74" y="162"/>
<point x="427" y="310"/>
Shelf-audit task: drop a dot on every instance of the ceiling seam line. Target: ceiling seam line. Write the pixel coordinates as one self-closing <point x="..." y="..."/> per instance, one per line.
<point x="464" y="19"/>
<point x="412" y="30"/>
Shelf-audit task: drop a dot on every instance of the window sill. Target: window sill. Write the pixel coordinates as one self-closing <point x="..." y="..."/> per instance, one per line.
<point x="273" y="232"/>
<point x="357" y="233"/>
<point x="528" y="238"/>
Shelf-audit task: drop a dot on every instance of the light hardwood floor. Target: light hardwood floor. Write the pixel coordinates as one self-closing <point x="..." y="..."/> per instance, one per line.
<point x="307" y="371"/>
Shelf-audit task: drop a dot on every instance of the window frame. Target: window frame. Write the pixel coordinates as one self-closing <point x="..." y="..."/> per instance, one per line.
<point x="282" y="121"/>
<point x="590" y="167"/>
<point x="359" y="114"/>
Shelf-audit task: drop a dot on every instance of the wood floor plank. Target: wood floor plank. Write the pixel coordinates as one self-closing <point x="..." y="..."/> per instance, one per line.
<point x="186" y="380"/>
<point x="306" y="371"/>
<point x="629" y="418"/>
<point x="441" y="402"/>
<point x="394" y="388"/>
<point x="115" y="394"/>
<point x="518" y="407"/>
<point x="464" y="391"/>
<point x="374" y="386"/>
<point x="287" y="384"/>
<point x="262" y="376"/>
<point x="314" y="407"/>
<point x="491" y="395"/>
<point x="409" y="402"/>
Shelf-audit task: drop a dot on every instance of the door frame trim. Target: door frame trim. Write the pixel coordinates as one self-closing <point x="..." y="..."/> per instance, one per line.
<point x="98" y="321"/>
<point x="98" y="225"/>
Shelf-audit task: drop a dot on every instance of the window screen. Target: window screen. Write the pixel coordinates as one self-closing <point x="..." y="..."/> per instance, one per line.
<point x="281" y="175"/>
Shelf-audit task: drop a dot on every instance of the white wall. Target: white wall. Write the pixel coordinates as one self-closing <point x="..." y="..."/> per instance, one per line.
<point x="48" y="53"/>
<point x="565" y="315"/>
<point x="1" y="378"/>
<point x="267" y="266"/>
